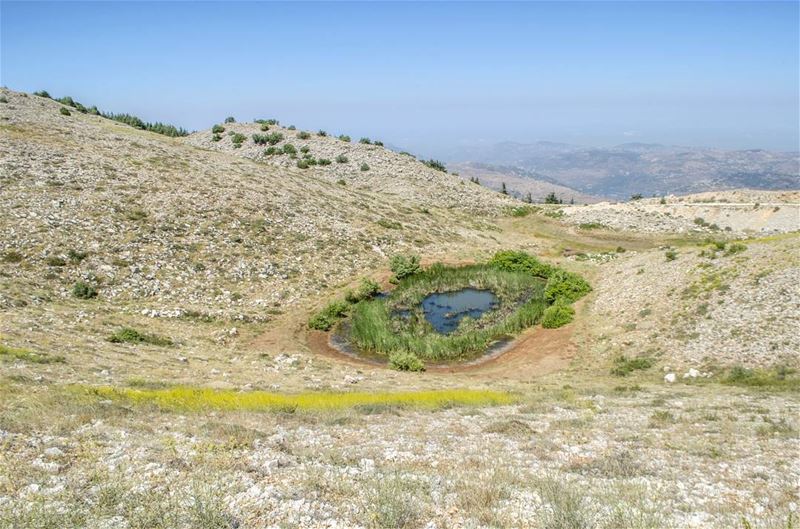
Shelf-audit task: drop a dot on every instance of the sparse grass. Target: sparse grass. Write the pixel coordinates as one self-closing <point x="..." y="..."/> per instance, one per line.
<point x="200" y="399"/>
<point x="592" y="226"/>
<point x="129" y="335"/>
<point x="393" y="502"/>
<point x="24" y="355"/>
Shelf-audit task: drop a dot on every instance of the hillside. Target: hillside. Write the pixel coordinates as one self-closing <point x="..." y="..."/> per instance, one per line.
<point x="648" y="169"/>
<point x="159" y="220"/>
<point x="158" y="369"/>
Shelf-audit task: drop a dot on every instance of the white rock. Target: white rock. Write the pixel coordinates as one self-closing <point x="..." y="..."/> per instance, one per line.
<point x="670" y="378"/>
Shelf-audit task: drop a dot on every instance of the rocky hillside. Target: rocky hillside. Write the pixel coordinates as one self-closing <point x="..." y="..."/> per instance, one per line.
<point x="141" y="216"/>
<point x="366" y="166"/>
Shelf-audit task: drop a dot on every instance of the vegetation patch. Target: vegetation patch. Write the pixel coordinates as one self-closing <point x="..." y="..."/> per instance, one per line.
<point x="779" y="377"/>
<point x="129" y="335"/>
<point x="24" y="355"/>
<point x="557" y="315"/>
<point x="624" y="366"/>
<point x="201" y="399"/>
<point x="397" y="325"/>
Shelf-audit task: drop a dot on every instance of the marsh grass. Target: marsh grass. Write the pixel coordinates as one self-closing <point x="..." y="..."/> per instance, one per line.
<point x="377" y="328"/>
<point x="200" y="399"/>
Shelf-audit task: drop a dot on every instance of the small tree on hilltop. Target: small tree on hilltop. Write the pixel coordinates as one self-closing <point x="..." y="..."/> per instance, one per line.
<point x="503" y="189"/>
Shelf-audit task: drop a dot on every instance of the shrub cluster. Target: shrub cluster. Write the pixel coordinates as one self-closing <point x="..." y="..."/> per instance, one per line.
<point x="435" y="164"/>
<point x="342" y="159"/>
<point x="517" y="261"/>
<point x="217" y="129"/>
<point x="403" y="266"/>
<point x="366" y="290"/>
<point x="303" y="135"/>
<point x="129" y="335"/>
<point x="624" y="366"/>
<point x="83" y="290"/>
<point x="406" y="361"/>
<point x="557" y="315"/>
<point x="327" y="317"/>
<point x="566" y="287"/>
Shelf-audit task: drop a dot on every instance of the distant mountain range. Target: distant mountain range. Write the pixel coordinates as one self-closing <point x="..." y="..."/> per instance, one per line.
<point x="635" y="168"/>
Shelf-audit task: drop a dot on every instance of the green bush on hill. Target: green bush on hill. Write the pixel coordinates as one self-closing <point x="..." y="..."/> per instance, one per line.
<point x="325" y="319"/>
<point x="566" y="287"/>
<point x="517" y="261"/>
<point x="557" y="315"/>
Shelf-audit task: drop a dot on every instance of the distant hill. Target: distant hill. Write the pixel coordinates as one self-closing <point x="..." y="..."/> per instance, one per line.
<point x="640" y="168"/>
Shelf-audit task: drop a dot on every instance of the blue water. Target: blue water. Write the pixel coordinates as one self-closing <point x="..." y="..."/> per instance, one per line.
<point x="445" y="310"/>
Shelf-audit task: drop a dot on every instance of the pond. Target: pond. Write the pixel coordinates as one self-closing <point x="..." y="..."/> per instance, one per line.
<point x="445" y="310"/>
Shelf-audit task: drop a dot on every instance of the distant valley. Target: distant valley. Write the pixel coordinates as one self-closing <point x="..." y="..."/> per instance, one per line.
<point x="620" y="171"/>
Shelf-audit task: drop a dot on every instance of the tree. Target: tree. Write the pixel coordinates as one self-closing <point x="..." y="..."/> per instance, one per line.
<point x="528" y="198"/>
<point x="551" y="198"/>
<point x="504" y="190"/>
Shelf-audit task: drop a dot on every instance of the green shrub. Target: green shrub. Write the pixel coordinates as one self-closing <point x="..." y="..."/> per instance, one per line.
<point x="517" y="261"/>
<point x="238" y="139"/>
<point x="129" y="335"/>
<point x="342" y="159"/>
<point x="3" y="99"/>
<point x="734" y="248"/>
<point x="303" y="135"/>
<point x="324" y="161"/>
<point x="42" y="93"/>
<point x="551" y="198"/>
<point x="365" y="141"/>
<point x="406" y="362"/>
<point x="624" y="366"/>
<point x="55" y="260"/>
<point x="322" y="133"/>
<point x="779" y="377"/>
<point x="230" y="119"/>
<point x="305" y="149"/>
<point x="217" y="129"/>
<point x="216" y="137"/>
<point x="344" y="137"/>
<point x="302" y="164"/>
<point x="64" y="111"/>
<point x="12" y="256"/>
<point x="389" y="224"/>
<point x="327" y="317"/>
<point x="75" y="256"/>
<point x="83" y="290"/>
<point x="291" y="127"/>
<point x="270" y="151"/>
<point x="264" y="127"/>
<point x="435" y="164"/>
<point x="364" y="167"/>
<point x="289" y="149"/>
<point x="366" y="290"/>
<point x="637" y="196"/>
<point x="378" y="143"/>
<point x="341" y="182"/>
<point x="557" y="315"/>
<point x="671" y="255"/>
<point x="260" y="139"/>
<point x="565" y="287"/>
<point x="274" y="138"/>
<point x="592" y="226"/>
<point x="404" y="265"/>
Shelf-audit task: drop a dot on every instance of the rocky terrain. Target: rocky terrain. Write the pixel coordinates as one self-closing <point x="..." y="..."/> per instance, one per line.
<point x="671" y="401"/>
<point x="649" y="169"/>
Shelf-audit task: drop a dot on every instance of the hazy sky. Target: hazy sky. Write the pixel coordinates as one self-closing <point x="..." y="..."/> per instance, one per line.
<point x="428" y="76"/>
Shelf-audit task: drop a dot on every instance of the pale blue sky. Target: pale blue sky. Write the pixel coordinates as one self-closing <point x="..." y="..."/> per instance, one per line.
<point x="427" y="76"/>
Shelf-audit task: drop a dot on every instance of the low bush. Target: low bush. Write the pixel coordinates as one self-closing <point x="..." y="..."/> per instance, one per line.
<point x="624" y="366"/>
<point x="289" y="149"/>
<point x="12" y="256"/>
<point x="76" y="256"/>
<point x="404" y="361"/>
<point x="517" y="261"/>
<point x="64" y="111"/>
<point x="274" y="138"/>
<point x="342" y="159"/>
<point x="217" y="129"/>
<point x="322" y="133"/>
<point x="403" y="266"/>
<point x="344" y="138"/>
<point x="264" y="127"/>
<point x="55" y="260"/>
<point x="435" y="164"/>
<point x="11" y="353"/>
<point x="302" y="164"/>
<point x="670" y="255"/>
<point x="566" y="287"/>
<point x="237" y="139"/>
<point x="324" y="161"/>
<point x="303" y="135"/>
<point x="129" y="335"/>
<point x="230" y="119"/>
<point x="364" y="167"/>
<point x="327" y="317"/>
<point x="84" y="290"/>
<point x="365" y="141"/>
<point x="366" y="290"/>
<point x="779" y="377"/>
<point x="557" y="315"/>
<point x="260" y="139"/>
<point x="305" y="149"/>
<point x="216" y="137"/>
<point x="270" y="151"/>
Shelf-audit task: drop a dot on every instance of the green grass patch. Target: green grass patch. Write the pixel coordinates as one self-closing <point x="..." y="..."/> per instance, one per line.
<point x="200" y="399"/>
<point x="129" y="335"/>
<point x="24" y="355"/>
<point x="557" y="315"/>
<point x="783" y="378"/>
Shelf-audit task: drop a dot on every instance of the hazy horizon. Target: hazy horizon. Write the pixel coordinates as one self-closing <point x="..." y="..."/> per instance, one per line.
<point x="428" y="77"/>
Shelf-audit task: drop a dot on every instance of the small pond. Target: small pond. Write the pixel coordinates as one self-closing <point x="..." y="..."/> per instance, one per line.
<point x="445" y="310"/>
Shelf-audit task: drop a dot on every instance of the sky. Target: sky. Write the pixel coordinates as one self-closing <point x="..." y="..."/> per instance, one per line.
<point x="428" y="77"/>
